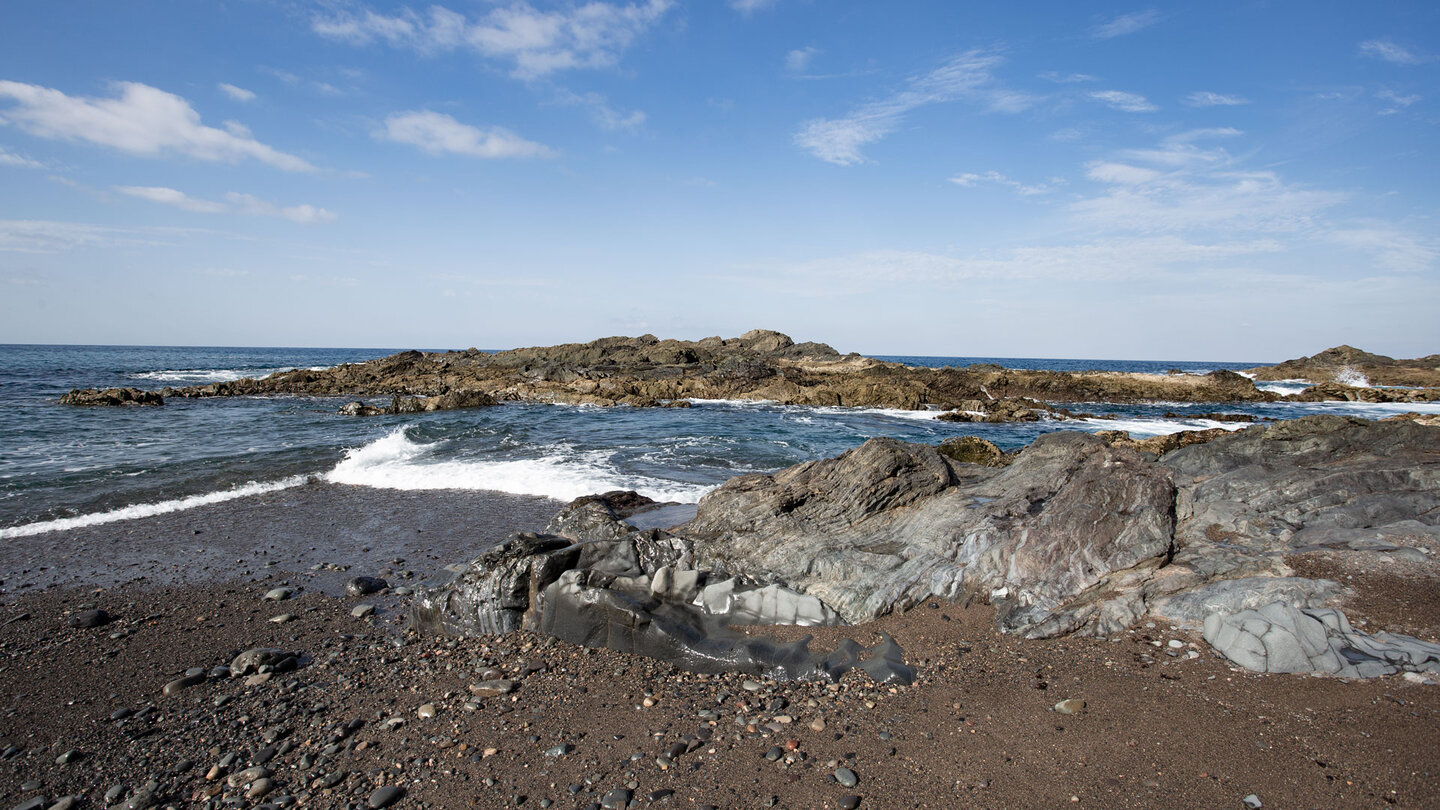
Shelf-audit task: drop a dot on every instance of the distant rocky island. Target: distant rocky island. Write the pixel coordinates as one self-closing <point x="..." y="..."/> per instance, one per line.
<point x="765" y="365"/>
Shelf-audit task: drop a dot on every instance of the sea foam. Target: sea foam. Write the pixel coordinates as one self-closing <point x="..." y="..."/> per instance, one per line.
<point x="143" y="510"/>
<point x="397" y="462"/>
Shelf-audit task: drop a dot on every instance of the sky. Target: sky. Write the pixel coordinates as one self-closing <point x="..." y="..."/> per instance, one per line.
<point x="1196" y="181"/>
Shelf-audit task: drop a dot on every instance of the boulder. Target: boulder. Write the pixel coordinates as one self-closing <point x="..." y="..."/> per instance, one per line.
<point x="111" y="397"/>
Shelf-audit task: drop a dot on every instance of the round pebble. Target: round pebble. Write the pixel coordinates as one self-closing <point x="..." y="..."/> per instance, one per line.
<point x="385" y="796"/>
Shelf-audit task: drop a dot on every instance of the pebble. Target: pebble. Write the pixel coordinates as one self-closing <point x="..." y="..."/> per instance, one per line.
<point x="278" y="594"/>
<point x="1071" y="706"/>
<point x="1176" y="644"/>
<point x="362" y="611"/>
<point x="617" y="799"/>
<point x="660" y="795"/>
<point x="259" y="788"/>
<point x="818" y="724"/>
<point x="492" y="688"/>
<point x="90" y="618"/>
<point x="1252" y="801"/>
<point x="849" y="801"/>
<point x="364" y="586"/>
<point x="179" y="685"/>
<point x="559" y="750"/>
<point x="846" y="777"/>
<point x="385" y="796"/>
<point x="751" y="686"/>
<point x="283" y="618"/>
<point x="426" y="711"/>
<point x="34" y="803"/>
<point x="69" y="756"/>
<point x="66" y="803"/>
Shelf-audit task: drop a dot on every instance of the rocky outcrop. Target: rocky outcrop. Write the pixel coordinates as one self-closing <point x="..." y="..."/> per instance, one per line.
<point x="1074" y="535"/>
<point x="455" y="400"/>
<point x="1348" y="365"/>
<point x="89" y="397"/>
<point x="1154" y="447"/>
<point x="1339" y="392"/>
<point x="759" y="365"/>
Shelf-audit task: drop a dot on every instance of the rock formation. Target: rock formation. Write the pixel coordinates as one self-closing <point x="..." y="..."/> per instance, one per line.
<point x="111" y="397"/>
<point x="1345" y="365"/>
<point x="1074" y="535"/>
<point x="759" y="365"/>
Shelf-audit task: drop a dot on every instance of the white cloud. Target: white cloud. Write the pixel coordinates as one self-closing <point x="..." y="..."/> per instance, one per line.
<point x="439" y="134"/>
<point x="970" y="180"/>
<point x="966" y="76"/>
<point x="535" y="42"/>
<point x="748" y="7"/>
<point x="43" y="236"/>
<point x="1396" y="101"/>
<point x="236" y="93"/>
<point x="1390" y="52"/>
<point x="798" y="60"/>
<point x="234" y="203"/>
<point x="1391" y="247"/>
<point x="1125" y="102"/>
<point x="1126" y="24"/>
<point x="1066" y="78"/>
<point x="1187" y="188"/>
<point x="142" y="120"/>
<point x="1205" y="98"/>
<point x="601" y="112"/>
<point x="8" y="158"/>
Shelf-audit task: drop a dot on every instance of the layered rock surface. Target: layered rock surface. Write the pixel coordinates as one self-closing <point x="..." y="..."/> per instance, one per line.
<point x="1074" y="535"/>
<point x="1342" y="363"/>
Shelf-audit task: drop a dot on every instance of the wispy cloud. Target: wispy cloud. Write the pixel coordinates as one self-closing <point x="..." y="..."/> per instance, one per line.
<point x="141" y="120"/>
<point x="440" y="134"/>
<point x="535" y="42"/>
<point x="1066" y="78"/>
<point x="236" y="93"/>
<point x="748" y="7"/>
<point x="1125" y="102"/>
<point x="1395" y="54"/>
<point x="1205" y="98"/>
<point x="1393" y="248"/>
<point x="8" y="158"/>
<point x="45" y="236"/>
<point x="1126" y="24"/>
<point x="601" y="112"/>
<point x="970" y="180"/>
<point x="967" y="76"/>
<point x="233" y="203"/>
<point x="798" y="60"/>
<point x="1395" y="102"/>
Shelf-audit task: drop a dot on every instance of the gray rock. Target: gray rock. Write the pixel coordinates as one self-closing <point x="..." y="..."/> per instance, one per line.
<point x="1284" y="638"/>
<point x="846" y="777"/>
<point x="385" y="796"/>
<point x="364" y="586"/>
<point x="1190" y="608"/>
<point x="33" y="803"/>
<point x="90" y="618"/>
<point x="251" y="660"/>
<point x="362" y="611"/>
<point x="1252" y="801"/>
<point x="278" y="594"/>
<point x="617" y="799"/>
<point x="179" y="685"/>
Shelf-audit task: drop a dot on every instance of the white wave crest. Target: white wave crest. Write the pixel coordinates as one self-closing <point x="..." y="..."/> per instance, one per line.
<point x="1284" y="387"/>
<point x="1161" y="427"/>
<point x="144" y="510"/>
<point x="200" y="376"/>
<point x="396" y="462"/>
<point x="1352" y="377"/>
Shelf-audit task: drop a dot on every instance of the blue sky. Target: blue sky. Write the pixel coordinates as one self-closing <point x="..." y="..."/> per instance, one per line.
<point x="1181" y="181"/>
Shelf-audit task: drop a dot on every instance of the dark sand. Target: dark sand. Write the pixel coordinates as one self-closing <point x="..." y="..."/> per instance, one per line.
<point x="977" y="729"/>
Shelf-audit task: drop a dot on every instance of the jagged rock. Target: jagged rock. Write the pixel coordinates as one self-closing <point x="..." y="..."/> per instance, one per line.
<point x="888" y="524"/>
<point x="1347" y="364"/>
<point x="1283" y="638"/>
<point x="972" y="450"/>
<point x="498" y="590"/>
<point x="1157" y="446"/>
<point x="359" y="409"/>
<point x="1190" y="609"/>
<point x="110" y="397"/>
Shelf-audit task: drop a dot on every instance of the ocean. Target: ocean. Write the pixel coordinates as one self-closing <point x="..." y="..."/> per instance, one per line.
<point x="65" y="467"/>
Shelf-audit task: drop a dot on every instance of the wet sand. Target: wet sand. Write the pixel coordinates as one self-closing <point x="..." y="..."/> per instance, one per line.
<point x="978" y="729"/>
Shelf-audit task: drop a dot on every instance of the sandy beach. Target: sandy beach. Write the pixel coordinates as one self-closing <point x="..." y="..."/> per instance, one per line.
<point x="1165" y="721"/>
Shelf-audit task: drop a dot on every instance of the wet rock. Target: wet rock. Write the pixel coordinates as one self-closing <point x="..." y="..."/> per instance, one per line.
<point x="617" y="799"/>
<point x="364" y="586"/>
<point x="111" y="397"/>
<point x="848" y="802"/>
<point x="179" y="685"/>
<point x="384" y="797"/>
<point x="364" y="611"/>
<point x="278" y="594"/>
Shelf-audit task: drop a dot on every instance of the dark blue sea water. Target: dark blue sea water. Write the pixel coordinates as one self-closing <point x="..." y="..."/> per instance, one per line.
<point x="63" y="466"/>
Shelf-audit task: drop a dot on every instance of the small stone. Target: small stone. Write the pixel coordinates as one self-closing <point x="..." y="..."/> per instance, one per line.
<point x="557" y="750"/>
<point x="179" y="685"/>
<point x="426" y="711"/>
<point x="846" y="777"/>
<point x="259" y="788"/>
<point x="362" y="611"/>
<point x="247" y="776"/>
<point x="1071" y="706"/>
<point x="617" y="799"/>
<point x="660" y="795"/>
<point x="751" y="686"/>
<point x="492" y="688"/>
<point x="1176" y="644"/>
<point x="848" y="802"/>
<point x="818" y="724"/>
<point x="90" y="618"/>
<point x="278" y="594"/>
<point x="66" y="803"/>
<point x="385" y="796"/>
<point x="1252" y="801"/>
<point x="68" y="757"/>
<point x="34" y="803"/>
<point x="283" y="618"/>
<point x="364" y="586"/>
